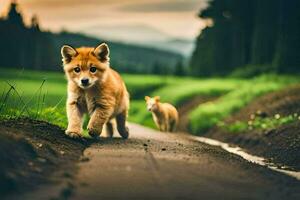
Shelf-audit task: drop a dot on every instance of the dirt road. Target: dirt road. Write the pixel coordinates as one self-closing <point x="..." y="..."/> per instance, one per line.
<point x="154" y="165"/>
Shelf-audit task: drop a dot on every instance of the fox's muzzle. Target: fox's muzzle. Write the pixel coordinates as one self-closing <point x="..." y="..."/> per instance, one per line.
<point x="85" y="81"/>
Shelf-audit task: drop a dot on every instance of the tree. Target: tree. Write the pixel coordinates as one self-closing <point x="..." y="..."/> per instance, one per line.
<point x="35" y="23"/>
<point x="157" y="68"/>
<point x="179" y="69"/>
<point x="286" y="57"/>
<point x="221" y="48"/>
<point x="248" y="33"/>
<point x="14" y="16"/>
<point x="265" y="32"/>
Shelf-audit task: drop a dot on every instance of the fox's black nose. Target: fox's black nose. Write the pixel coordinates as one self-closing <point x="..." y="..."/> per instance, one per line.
<point x="85" y="81"/>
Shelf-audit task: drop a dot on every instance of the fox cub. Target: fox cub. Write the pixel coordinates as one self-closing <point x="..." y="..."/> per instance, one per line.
<point x="164" y="115"/>
<point x="96" y="89"/>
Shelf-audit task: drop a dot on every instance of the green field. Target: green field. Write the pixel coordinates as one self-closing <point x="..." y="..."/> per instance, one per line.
<point x="42" y="95"/>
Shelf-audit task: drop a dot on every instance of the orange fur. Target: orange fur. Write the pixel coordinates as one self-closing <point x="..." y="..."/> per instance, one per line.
<point x="94" y="88"/>
<point x="164" y="115"/>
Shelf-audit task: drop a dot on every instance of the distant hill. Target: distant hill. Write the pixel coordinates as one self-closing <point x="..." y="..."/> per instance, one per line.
<point x="124" y="57"/>
<point x="151" y="37"/>
<point x="29" y="47"/>
<point x="182" y="46"/>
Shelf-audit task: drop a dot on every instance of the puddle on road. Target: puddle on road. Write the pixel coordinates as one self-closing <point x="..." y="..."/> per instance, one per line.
<point x="251" y="158"/>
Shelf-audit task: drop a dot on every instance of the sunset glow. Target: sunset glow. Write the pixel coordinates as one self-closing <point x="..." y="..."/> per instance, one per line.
<point x="125" y="20"/>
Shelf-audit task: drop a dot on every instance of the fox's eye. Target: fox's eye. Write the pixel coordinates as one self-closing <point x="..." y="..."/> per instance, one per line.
<point x="93" y="69"/>
<point x="77" y="69"/>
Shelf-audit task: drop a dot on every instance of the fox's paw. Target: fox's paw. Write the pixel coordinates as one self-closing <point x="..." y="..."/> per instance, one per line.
<point x="94" y="133"/>
<point x="73" y="134"/>
<point x="125" y="133"/>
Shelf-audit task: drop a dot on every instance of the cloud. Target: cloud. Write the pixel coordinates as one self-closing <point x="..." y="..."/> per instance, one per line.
<point x="128" y="32"/>
<point x="70" y="3"/>
<point x="166" y="6"/>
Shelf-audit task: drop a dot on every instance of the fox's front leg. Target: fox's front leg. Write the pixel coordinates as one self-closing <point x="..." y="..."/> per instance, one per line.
<point x="74" y="120"/>
<point x="162" y="127"/>
<point x="167" y="126"/>
<point x="98" y="118"/>
<point x="121" y="124"/>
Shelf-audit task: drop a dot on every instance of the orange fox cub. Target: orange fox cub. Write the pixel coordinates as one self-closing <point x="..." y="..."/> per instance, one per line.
<point x="164" y="115"/>
<point x="96" y="89"/>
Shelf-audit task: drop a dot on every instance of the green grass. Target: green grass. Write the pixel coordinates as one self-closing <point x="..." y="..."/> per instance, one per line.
<point x="42" y="95"/>
<point x="185" y="89"/>
<point x="141" y="85"/>
<point x="260" y="123"/>
<point x="234" y="94"/>
<point x="178" y="90"/>
<point x="139" y="114"/>
<point x="34" y="99"/>
<point x="212" y="113"/>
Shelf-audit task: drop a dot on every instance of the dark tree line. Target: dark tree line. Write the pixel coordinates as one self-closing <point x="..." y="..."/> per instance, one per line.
<point x="26" y="46"/>
<point x="23" y="46"/>
<point x="252" y="33"/>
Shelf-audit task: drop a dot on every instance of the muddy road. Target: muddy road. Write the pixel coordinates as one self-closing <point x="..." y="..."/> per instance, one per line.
<point x="154" y="165"/>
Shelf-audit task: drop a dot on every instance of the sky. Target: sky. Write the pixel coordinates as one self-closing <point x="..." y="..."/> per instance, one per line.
<point x="120" y="20"/>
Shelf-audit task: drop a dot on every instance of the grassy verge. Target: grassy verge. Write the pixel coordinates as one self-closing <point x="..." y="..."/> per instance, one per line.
<point x="212" y="113"/>
<point x="42" y="95"/>
<point x="260" y="123"/>
<point x="179" y="90"/>
<point x="184" y="89"/>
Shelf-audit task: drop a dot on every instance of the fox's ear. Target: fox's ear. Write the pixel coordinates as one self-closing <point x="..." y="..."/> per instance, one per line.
<point x="102" y="52"/>
<point x="157" y="98"/>
<point x="68" y="53"/>
<point x="147" y="98"/>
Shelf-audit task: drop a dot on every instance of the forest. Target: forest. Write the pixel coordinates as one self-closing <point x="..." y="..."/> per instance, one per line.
<point x="248" y="37"/>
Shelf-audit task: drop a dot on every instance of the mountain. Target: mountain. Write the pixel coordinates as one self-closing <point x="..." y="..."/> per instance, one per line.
<point x="124" y="57"/>
<point x="142" y="35"/>
<point x="182" y="46"/>
<point x="137" y="33"/>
